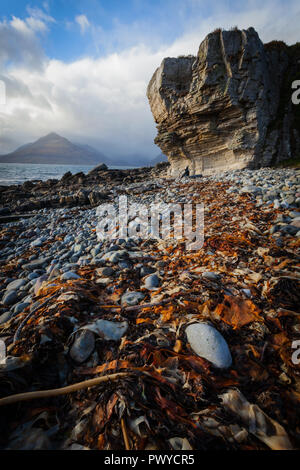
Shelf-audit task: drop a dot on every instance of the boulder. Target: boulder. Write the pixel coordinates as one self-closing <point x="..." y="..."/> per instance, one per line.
<point x="100" y="167"/>
<point x="227" y="108"/>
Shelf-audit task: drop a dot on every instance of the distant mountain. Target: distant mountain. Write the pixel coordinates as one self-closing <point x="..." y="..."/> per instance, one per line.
<point x="160" y="158"/>
<point x="56" y="150"/>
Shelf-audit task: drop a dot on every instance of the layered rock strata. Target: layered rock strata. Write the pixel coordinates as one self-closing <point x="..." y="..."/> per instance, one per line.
<point x="229" y="107"/>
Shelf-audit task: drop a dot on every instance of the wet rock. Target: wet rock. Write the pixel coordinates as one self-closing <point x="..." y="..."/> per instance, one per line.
<point x="83" y="346"/>
<point x="208" y="343"/>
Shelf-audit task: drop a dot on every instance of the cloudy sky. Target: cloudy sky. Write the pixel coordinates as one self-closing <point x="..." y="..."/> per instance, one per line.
<point x="81" y="67"/>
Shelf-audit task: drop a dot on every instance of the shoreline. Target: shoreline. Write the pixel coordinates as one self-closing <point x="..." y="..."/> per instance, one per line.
<point x="243" y="283"/>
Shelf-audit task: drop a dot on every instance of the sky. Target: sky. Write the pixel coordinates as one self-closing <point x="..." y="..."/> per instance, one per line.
<point x="80" y="68"/>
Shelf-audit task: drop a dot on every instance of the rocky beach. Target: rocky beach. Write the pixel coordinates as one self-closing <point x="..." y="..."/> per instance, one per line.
<point x="139" y="343"/>
<point x="152" y="308"/>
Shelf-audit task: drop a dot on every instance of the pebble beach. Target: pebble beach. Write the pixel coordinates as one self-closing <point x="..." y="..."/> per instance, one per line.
<point x="190" y="333"/>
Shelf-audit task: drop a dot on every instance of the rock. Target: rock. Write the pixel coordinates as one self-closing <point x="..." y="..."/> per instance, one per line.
<point x="69" y="275"/>
<point x="274" y="229"/>
<point x="125" y="264"/>
<point x="83" y="346"/>
<point x="15" y="285"/>
<point x="211" y="276"/>
<point x="95" y="197"/>
<point x="10" y="298"/>
<point x="39" y="263"/>
<point x="32" y="276"/>
<point x="5" y="317"/>
<point x="152" y="281"/>
<point x="288" y="229"/>
<point x="284" y="204"/>
<point x="109" y="329"/>
<point x="294" y="214"/>
<point x="276" y="204"/>
<point x="208" y="343"/>
<point x="38" y="242"/>
<point x="78" y="447"/>
<point x="107" y="271"/>
<point x="145" y="270"/>
<point x="100" y="167"/>
<point x="115" y="256"/>
<point x="132" y="298"/>
<point x="251" y="190"/>
<point x="296" y="222"/>
<point x="20" y="307"/>
<point x="103" y="281"/>
<point x="236" y="79"/>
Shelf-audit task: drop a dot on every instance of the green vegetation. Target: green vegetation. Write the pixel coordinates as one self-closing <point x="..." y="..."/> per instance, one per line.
<point x="289" y="163"/>
<point x="276" y="45"/>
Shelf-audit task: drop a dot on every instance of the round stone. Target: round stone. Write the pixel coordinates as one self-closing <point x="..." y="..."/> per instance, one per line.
<point x="15" y="285"/>
<point x="132" y="298"/>
<point x="152" y="281"/>
<point x="69" y="275"/>
<point x="208" y="343"/>
<point x="211" y="276"/>
<point x="10" y="298"/>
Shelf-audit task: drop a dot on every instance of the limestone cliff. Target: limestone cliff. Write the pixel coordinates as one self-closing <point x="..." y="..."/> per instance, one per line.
<point x="229" y="107"/>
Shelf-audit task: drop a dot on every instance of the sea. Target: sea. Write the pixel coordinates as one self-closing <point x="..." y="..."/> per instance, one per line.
<point x="18" y="173"/>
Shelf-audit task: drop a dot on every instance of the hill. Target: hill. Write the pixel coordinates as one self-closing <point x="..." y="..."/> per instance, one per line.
<point x="56" y="150"/>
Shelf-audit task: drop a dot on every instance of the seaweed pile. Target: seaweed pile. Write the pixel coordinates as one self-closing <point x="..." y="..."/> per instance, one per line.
<point x="105" y="355"/>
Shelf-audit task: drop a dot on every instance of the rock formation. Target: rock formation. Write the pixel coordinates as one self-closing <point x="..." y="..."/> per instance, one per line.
<point x="229" y="107"/>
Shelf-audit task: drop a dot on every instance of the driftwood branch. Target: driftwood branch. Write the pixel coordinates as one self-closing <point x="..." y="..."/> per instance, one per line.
<point x="139" y="307"/>
<point x="62" y="391"/>
<point x="125" y="435"/>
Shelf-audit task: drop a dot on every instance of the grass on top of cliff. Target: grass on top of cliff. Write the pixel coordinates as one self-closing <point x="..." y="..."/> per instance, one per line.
<point x="289" y="163"/>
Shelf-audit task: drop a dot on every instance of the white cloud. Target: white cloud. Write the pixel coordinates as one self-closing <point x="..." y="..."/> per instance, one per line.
<point x="39" y="14"/>
<point x="102" y="101"/>
<point x="19" y="45"/>
<point x="83" y="23"/>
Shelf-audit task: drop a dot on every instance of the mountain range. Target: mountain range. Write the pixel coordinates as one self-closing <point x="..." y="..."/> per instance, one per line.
<point x="57" y="150"/>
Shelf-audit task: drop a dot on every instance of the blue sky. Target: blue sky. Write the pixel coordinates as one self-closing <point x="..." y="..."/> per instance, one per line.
<point x="81" y="67"/>
<point x="113" y="24"/>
